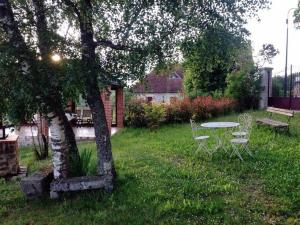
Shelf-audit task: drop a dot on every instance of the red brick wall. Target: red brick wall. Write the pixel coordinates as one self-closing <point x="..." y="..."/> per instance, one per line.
<point x="120" y="107"/>
<point x="107" y="106"/>
<point x="43" y="126"/>
<point x="9" y="156"/>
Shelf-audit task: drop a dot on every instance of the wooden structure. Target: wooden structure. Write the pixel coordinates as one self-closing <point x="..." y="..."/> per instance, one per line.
<point x="9" y="156"/>
<point x="276" y="123"/>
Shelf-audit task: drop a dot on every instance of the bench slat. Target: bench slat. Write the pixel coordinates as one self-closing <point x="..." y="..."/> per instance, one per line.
<point x="273" y="123"/>
<point x="285" y="112"/>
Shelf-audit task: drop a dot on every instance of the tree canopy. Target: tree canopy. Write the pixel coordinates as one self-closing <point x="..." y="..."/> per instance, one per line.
<point x="209" y="59"/>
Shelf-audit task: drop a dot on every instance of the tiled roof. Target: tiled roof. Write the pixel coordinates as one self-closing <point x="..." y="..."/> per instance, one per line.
<point x="167" y="83"/>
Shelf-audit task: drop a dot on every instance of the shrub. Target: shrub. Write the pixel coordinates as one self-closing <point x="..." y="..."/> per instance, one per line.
<point x="179" y="111"/>
<point x="155" y="114"/>
<point x="201" y="108"/>
<point x="135" y="113"/>
<point x="244" y="86"/>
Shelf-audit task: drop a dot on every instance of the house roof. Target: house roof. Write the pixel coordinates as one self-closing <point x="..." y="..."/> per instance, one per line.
<point x="165" y="83"/>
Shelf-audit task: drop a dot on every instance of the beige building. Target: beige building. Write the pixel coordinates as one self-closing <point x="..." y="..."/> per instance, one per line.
<point x="163" y="88"/>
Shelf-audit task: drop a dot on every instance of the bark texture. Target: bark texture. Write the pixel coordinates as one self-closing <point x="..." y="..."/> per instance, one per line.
<point x="88" y="47"/>
<point x="59" y="147"/>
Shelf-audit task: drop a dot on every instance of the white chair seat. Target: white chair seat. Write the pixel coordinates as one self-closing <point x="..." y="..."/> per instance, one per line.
<point x="239" y="141"/>
<point x="239" y="134"/>
<point x="201" y="137"/>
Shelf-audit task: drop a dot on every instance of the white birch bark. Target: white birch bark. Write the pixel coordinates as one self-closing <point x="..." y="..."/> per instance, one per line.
<point x="59" y="147"/>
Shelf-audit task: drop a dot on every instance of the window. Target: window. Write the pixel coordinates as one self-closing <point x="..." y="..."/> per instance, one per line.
<point x="149" y="99"/>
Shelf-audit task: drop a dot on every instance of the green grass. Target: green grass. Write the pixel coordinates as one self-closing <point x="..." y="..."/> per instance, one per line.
<point x="162" y="181"/>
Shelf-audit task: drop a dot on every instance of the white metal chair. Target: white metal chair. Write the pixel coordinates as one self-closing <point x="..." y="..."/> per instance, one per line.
<point x="242" y="137"/>
<point x="200" y="139"/>
<point x="245" y="121"/>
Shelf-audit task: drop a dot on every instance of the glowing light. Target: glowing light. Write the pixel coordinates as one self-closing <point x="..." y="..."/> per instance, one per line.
<point x="56" y="57"/>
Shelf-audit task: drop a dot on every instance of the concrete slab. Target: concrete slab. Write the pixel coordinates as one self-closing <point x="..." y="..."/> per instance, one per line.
<point x="27" y="134"/>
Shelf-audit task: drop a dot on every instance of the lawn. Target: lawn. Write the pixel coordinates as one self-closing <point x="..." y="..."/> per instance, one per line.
<point x="162" y="181"/>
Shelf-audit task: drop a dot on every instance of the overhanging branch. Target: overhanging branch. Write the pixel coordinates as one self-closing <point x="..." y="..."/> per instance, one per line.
<point x="110" y="44"/>
<point x="73" y="6"/>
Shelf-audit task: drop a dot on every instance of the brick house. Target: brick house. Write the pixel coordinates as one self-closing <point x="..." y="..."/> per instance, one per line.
<point x="113" y="101"/>
<point x="163" y="88"/>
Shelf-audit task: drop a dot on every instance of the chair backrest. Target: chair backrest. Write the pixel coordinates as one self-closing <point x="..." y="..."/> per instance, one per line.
<point x="245" y="121"/>
<point x="86" y="113"/>
<point x="195" y="128"/>
<point x="79" y="113"/>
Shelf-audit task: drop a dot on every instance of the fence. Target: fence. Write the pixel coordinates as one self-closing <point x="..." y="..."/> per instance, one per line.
<point x="289" y="99"/>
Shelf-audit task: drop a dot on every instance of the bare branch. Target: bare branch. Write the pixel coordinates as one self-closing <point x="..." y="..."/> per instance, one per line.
<point x="71" y="4"/>
<point x="110" y="44"/>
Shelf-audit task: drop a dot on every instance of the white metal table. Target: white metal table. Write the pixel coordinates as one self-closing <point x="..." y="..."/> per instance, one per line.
<point x="221" y="125"/>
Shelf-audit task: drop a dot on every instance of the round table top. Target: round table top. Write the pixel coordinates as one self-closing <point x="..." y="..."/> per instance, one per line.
<point x="220" y="124"/>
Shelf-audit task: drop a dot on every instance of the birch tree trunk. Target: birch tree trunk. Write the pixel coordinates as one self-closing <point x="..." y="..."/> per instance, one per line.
<point x="59" y="147"/>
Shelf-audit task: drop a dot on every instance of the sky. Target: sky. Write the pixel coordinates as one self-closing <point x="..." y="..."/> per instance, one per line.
<point x="272" y="29"/>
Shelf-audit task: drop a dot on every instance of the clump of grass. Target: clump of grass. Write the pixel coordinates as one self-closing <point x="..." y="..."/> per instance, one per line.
<point x="84" y="166"/>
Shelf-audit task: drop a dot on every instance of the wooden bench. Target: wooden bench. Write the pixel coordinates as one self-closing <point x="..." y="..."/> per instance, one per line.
<point x="275" y="123"/>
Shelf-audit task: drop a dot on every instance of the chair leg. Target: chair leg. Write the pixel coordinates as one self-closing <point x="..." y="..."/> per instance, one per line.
<point x="248" y="150"/>
<point x="236" y="151"/>
<point x="202" y="147"/>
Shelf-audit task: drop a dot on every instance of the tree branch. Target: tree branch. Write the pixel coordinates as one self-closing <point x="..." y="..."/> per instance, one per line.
<point x="73" y="6"/>
<point x="110" y="44"/>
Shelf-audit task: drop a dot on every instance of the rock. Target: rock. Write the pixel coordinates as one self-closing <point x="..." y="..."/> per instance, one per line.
<point x="80" y="184"/>
<point x="37" y="184"/>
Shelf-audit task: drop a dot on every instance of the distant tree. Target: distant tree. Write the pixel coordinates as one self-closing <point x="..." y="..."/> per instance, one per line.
<point x="267" y="53"/>
<point x="209" y="59"/>
<point x="278" y="86"/>
<point x="243" y="82"/>
<point x="297" y="14"/>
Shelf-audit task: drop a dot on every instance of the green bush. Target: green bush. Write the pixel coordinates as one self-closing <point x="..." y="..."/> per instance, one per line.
<point x="200" y="108"/>
<point x="135" y="113"/>
<point x="244" y="86"/>
<point x="155" y="114"/>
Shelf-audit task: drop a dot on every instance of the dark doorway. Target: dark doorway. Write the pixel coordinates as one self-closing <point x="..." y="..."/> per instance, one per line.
<point x="113" y="100"/>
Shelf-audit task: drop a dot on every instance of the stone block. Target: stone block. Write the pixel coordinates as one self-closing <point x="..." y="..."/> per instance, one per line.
<point x="37" y="184"/>
<point x="80" y="184"/>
